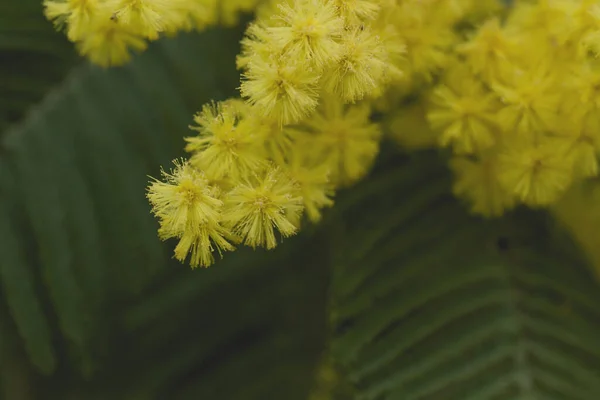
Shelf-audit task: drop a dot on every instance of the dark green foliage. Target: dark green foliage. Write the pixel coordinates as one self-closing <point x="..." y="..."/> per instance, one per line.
<point x="33" y="58"/>
<point x="435" y="304"/>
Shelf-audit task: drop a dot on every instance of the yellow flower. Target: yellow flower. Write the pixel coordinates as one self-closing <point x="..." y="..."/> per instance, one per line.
<point x="464" y="111"/>
<point x="277" y="140"/>
<point x="582" y="90"/>
<point x="261" y="205"/>
<point x="537" y="174"/>
<point x="279" y="89"/>
<point x="427" y="41"/>
<point x="530" y="101"/>
<point x="313" y="179"/>
<point x="342" y="137"/>
<point x="514" y="91"/>
<point x="584" y="153"/>
<point x="477" y="181"/>
<point x="478" y="10"/>
<point x="109" y="43"/>
<point x="310" y="31"/>
<point x="192" y="14"/>
<point x="201" y="244"/>
<point x="148" y="17"/>
<point x="227" y="145"/>
<point x="189" y="209"/>
<point x="436" y="12"/>
<point x="585" y="16"/>
<point x="489" y="50"/>
<point x="356" y="12"/>
<point x="76" y="14"/>
<point x="542" y="32"/>
<point x="581" y="134"/>
<point x="258" y="43"/>
<point x="363" y="67"/>
<point x="551" y="19"/>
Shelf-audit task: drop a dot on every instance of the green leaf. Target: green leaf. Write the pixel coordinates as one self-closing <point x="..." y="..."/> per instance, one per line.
<point x="81" y="163"/>
<point x="18" y="283"/>
<point x="33" y="58"/>
<point x="122" y="319"/>
<point x="431" y="303"/>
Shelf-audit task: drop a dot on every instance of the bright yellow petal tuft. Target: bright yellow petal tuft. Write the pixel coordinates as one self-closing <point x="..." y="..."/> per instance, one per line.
<point x="263" y="205"/>
<point x="280" y="90"/>
<point x="189" y="209"/>
<point x="227" y="144"/>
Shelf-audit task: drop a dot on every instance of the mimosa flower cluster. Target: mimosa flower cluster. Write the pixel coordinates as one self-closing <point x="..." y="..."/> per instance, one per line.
<point x="106" y="31"/>
<point x="512" y="89"/>
<point x="519" y="105"/>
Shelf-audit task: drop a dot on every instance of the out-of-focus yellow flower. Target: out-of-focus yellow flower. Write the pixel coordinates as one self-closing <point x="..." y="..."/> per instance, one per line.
<point x="490" y="49"/>
<point x="148" y="17"/>
<point x="356" y="12"/>
<point x="76" y="15"/>
<point x="312" y="177"/>
<point x="343" y="138"/>
<point x="530" y="101"/>
<point x="257" y="44"/>
<point x="187" y="15"/>
<point x="427" y="41"/>
<point x="478" y="181"/>
<point x="465" y="112"/>
<point x="536" y="174"/>
<point x="108" y="42"/>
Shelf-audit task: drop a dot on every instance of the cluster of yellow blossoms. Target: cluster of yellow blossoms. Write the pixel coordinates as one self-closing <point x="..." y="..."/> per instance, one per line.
<point x="511" y="88"/>
<point x="107" y="30"/>
<point x="519" y="105"/>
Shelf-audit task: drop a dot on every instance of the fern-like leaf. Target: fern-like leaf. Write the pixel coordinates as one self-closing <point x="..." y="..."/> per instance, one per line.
<point x="434" y="304"/>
